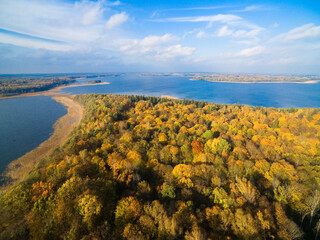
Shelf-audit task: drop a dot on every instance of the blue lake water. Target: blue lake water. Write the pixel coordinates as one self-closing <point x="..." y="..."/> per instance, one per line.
<point x="24" y="124"/>
<point x="279" y="95"/>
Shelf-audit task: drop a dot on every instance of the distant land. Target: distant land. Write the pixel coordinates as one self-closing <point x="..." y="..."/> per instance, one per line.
<point x="243" y="78"/>
<point x="235" y="78"/>
<point x="12" y="85"/>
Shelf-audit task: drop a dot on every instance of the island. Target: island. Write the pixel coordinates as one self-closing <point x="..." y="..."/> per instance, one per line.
<point x="155" y="168"/>
<point x="94" y="81"/>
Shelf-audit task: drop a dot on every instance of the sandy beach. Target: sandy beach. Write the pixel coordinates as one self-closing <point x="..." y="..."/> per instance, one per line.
<point x="169" y="97"/>
<point x="17" y="169"/>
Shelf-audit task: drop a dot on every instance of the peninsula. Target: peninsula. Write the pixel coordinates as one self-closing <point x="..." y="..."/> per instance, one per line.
<point x="29" y="87"/>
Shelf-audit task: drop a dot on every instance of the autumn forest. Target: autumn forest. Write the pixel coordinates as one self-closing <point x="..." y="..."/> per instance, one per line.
<point x="152" y="168"/>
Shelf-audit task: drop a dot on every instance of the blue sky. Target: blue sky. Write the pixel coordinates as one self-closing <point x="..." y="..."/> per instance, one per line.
<point x="272" y="37"/>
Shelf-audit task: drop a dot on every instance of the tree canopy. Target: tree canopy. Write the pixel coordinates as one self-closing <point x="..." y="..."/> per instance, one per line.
<point x="149" y="168"/>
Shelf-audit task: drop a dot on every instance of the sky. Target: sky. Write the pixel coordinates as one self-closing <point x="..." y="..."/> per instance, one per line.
<point x="65" y="36"/>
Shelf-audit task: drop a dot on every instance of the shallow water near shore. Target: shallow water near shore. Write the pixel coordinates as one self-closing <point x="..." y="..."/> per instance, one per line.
<point x="25" y="123"/>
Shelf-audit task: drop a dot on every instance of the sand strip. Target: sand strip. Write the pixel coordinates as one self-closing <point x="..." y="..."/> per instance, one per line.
<point x="169" y="97"/>
<point x="17" y="170"/>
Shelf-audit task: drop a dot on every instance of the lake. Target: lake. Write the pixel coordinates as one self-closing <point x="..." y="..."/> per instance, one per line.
<point x="279" y="95"/>
<point x="27" y="122"/>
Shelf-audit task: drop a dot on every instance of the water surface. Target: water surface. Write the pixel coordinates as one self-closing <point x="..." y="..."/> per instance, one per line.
<point x="279" y="95"/>
<point x="25" y="122"/>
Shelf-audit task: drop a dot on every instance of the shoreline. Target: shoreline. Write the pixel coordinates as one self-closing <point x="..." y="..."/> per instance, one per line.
<point x="19" y="168"/>
<point x="305" y="82"/>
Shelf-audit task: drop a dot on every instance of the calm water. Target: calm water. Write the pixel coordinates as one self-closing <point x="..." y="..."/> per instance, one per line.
<point x="256" y="94"/>
<point x="24" y="124"/>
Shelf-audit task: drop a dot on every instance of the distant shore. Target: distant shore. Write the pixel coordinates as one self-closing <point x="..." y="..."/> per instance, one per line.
<point x="52" y="92"/>
<point x="246" y="82"/>
<point x="17" y="169"/>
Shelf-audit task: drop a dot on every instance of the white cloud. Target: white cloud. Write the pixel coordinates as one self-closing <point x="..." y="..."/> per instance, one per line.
<point x="147" y="44"/>
<point x="249" y="52"/>
<point x="199" y="8"/>
<point x="224" y="31"/>
<point x="116" y="20"/>
<point x="59" y="21"/>
<point x="92" y="13"/>
<point x="200" y="60"/>
<point x="224" y="18"/>
<point x="201" y="34"/>
<point x="156" y="40"/>
<point x="80" y="25"/>
<point x="157" y="47"/>
<point x="249" y="8"/>
<point x="247" y="34"/>
<point x="115" y="3"/>
<point x="174" y="51"/>
<point x="308" y="31"/>
<point x="283" y="61"/>
<point x="33" y="43"/>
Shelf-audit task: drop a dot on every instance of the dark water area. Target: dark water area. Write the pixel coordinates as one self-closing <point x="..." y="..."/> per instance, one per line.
<point x="24" y="124"/>
<point x="279" y="95"/>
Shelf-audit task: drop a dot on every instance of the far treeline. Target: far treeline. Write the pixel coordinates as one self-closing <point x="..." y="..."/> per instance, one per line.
<point x="10" y="86"/>
<point x="150" y="168"/>
<point x="249" y="78"/>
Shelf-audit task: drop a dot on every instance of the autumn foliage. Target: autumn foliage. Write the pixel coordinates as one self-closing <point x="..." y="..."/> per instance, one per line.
<point x="149" y="168"/>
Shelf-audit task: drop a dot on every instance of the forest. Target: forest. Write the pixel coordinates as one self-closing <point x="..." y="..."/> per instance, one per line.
<point x="152" y="168"/>
<point x="10" y="86"/>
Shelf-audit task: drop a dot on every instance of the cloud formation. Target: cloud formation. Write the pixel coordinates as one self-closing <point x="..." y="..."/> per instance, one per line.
<point x="76" y="25"/>
<point x="116" y="20"/>
<point x="249" y="52"/>
<point x="224" y="18"/>
<point x="308" y="31"/>
<point x="105" y="34"/>
<point x="158" y="47"/>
